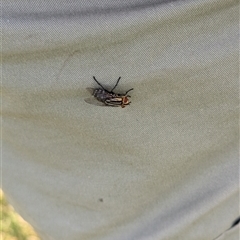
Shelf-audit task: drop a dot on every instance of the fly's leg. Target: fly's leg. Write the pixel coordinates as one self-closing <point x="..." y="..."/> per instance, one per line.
<point x="116" y="84"/>
<point x="99" y="84"/>
<point x="128" y="92"/>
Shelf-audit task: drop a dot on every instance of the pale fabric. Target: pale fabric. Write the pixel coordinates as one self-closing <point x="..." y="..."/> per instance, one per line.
<point x="166" y="167"/>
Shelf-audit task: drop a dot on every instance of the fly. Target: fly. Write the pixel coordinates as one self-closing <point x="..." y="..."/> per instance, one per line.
<point x="108" y="98"/>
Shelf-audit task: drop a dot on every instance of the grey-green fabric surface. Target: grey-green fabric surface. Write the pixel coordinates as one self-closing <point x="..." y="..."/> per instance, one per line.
<point x="166" y="167"/>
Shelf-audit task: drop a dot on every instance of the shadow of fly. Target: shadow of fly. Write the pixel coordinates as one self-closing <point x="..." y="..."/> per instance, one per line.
<point x="108" y="98"/>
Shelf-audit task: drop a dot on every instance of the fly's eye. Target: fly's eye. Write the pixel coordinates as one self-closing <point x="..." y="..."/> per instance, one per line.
<point x="125" y="100"/>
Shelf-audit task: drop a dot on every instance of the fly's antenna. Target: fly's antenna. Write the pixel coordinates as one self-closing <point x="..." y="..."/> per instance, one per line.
<point x="128" y="91"/>
<point x="116" y="84"/>
<point x="99" y="83"/>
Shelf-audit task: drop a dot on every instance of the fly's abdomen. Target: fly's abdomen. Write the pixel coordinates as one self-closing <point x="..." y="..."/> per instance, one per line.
<point x="100" y="94"/>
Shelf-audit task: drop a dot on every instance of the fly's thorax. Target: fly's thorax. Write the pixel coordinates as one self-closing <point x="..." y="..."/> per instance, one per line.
<point x="117" y="100"/>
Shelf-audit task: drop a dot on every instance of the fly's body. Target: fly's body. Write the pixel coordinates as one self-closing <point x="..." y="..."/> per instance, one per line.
<point x="109" y="98"/>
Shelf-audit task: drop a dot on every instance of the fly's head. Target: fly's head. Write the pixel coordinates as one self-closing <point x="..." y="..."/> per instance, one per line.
<point x="125" y="101"/>
<point x="125" y="98"/>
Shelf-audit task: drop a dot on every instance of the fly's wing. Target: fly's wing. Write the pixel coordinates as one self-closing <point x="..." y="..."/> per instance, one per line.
<point x="94" y="101"/>
<point x="91" y="90"/>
